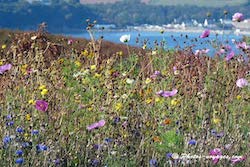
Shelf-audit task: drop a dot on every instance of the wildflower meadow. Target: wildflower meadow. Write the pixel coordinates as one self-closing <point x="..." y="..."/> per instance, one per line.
<point x="69" y="102"/>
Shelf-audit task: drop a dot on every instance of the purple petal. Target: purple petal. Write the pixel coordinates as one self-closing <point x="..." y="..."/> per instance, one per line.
<point x="160" y="92"/>
<point x="101" y="123"/>
<point x="169" y="93"/>
<point x="238" y="17"/>
<point x="238" y="159"/>
<point x="4" y="68"/>
<point x="229" y="56"/>
<point x="205" y="34"/>
<point x="242" y="82"/>
<point x="92" y="126"/>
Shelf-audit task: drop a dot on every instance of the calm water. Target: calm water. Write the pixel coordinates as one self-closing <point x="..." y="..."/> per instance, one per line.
<point x="172" y="39"/>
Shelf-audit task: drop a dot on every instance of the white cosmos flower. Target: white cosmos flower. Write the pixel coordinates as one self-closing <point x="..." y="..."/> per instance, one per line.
<point x="125" y="38"/>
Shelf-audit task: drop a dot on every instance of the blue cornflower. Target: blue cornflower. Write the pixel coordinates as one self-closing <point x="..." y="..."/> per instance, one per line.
<point x="11" y="123"/>
<point x="192" y="142"/>
<point x="19" y="152"/>
<point x="153" y="163"/>
<point x="169" y="155"/>
<point x="213" y="132"/>
<point x="34" y="132"/>
<point x="108" y="140"/>
<point x="19" y="130"/>
<point x="116" y="120"/>
<point x="9" y="117"/>
<point x="25" y="144"/>
<point x="19" y="160"/>
<point x="57" y="161"/>
<point x="6" y="139"/>
<point x="41" y="147"/>
<point x="95" y="162"/>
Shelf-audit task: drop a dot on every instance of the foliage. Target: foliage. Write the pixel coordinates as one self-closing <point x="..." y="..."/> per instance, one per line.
<point x="64" y="16"/>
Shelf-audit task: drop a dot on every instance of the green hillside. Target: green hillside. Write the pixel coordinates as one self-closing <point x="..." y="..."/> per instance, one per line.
<point x="210" y="3"/>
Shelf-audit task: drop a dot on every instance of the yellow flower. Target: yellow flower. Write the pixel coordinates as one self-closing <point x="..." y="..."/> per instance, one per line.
<point x="1" y="62"/>
<point x="32" y="102"/>
<point x="118" y="106"/>
<point x="26" y="135"/>
<point x="97" y="75"/>
<point x="85" y="53"/>
<point x="90" y="108"/>
<point x="216" y="120"/>
<point x="120" y="53"/>
<point x="148" y="101"/>
<point x="28" y="117"/>
<point x="93" y="67"/>
<point x="175" y="102"/>
<point x="44" y="92"/>
<point x="42" y="87"/>
<point x="154" y="52"/>
<point x="61" y="60"/>
<point x="4" y="46"/>
<point x="24" y="68"/>
<point x="148" y="80"/>
<point x="78" y="63"/>
<point x="239" y="97"/>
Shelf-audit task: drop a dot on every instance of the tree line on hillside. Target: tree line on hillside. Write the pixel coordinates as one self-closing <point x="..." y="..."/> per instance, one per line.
<point x="69" y="16"/>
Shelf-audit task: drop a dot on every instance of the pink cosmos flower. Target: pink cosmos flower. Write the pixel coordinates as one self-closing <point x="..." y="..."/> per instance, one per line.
<point x="202" y="51"/>
<point x="216" y="153"/>
<point x="229" y="56"/>
<point x="95" y="125"/>
<point x="205" y="34"/>
<point x="242" y="45"/>
<point x="41" y="105"/>
<point x="167" y="93"/>
<point x="238" y="17"/>
<point x="70" y="42"/>
<point x="156" y="73"/>
<point x="4" y="68"/>
<point x="238" y="159"/>
<point x="242" y="82"/>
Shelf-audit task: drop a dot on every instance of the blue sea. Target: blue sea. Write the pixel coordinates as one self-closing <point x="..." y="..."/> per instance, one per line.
<point x="171" y="40"/>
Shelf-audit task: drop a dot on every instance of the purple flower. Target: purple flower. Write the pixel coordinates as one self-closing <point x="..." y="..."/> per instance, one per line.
<point x="242" y="82"/>
<point x="229" y="56"/>
<point x="235" y="160"/>
<point x="95" y="125"/>
<point x="242" y="45"/>
<point x="167" y="93"/>
<point x="19" y="161"/>
<point x="205" y="34"/>
<point x="41" y="105"/>
<point x="156" y="73"/>
<point x="238" y="17"/>
<point x="4" y="68"/>
<point x="216" y="153"/>
<point x="192" y="142"/>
